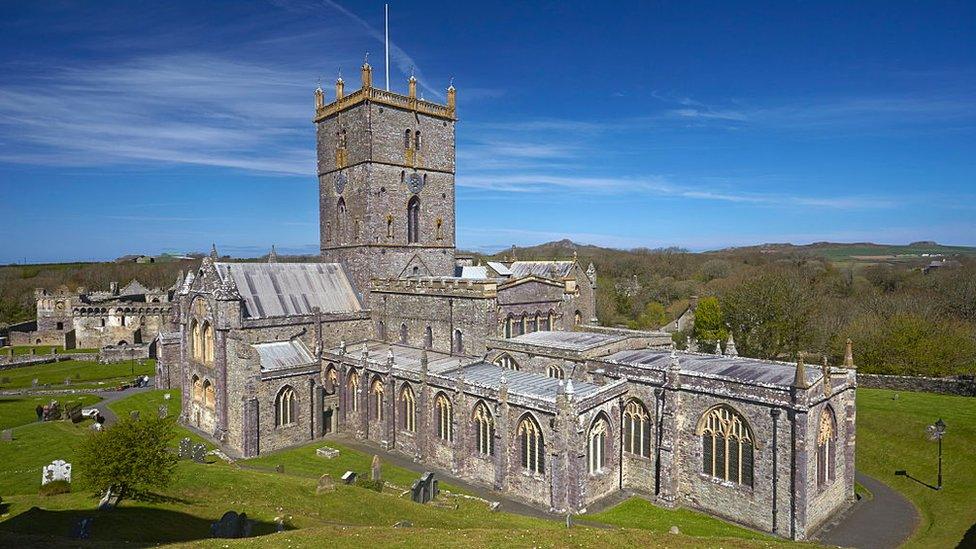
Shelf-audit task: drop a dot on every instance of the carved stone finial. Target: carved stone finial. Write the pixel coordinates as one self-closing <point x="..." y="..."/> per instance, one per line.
<point x="800" y="378"/>
<point x="730" y="349"/>
<point x="849" y="354"/>
<point x="827" y="386"/>
<point x="213" y="251"/>
<point x="273" y="256"/>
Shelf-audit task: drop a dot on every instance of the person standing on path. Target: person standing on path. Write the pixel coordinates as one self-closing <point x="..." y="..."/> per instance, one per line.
<point x="40" y="412"/>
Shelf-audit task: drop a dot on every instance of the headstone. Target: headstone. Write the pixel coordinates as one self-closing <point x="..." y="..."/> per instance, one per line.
<point x="198" y="453"/>
<point x="74" y="412"/>
<point x="229" y="525"/>
<point x="674" y="530"/>
<point x="67" y="381"/>
<point x="494" y="506"/>
<point x="349" y="477"/>
<point x="375" y="473"/>
<point x="57" y="470"/>
<point x="81" y="529"/>
<point x="108" y="501"/>
<point x="166" y="396"/>
<point x="279" y="468"/>
<point x="163" y="411"/>
<point x="186" y="448"/>
<point x="7" y="435"/>
<point x="417" y="492"/>
<point x="430" y="486"/>
<point x="569" y="520"/>
<point x="403" y="524"/>
<point x="326" y="484"/>
<point x="96" y="426"/>
<point x="134" y="414"/>
<point x="327" y="453"/>
<point x="34" y="383"/>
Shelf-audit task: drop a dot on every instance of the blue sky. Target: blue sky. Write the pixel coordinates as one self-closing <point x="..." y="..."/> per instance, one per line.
<point x="127" y="128"/>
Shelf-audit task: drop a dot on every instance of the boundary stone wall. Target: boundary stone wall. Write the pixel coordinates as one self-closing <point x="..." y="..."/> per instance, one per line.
<point x="942" y="385"/>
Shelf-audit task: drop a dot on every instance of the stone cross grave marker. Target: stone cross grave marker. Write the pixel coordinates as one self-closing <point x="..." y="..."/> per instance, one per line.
<point x="57" y="470"/>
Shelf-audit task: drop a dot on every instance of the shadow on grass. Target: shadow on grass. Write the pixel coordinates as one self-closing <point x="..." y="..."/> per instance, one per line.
<point x="136" y="526"/>
<point x="904" y="473"/>
<point x="968" y="539"/>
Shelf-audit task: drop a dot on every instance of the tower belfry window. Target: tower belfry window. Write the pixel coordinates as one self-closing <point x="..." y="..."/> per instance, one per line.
<point x="406" y="139"/>
<point x="416" y="140"/>
<point x="413" y="220"/>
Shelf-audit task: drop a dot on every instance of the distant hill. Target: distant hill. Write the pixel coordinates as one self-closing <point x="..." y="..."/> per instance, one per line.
<point x="865" y="252"/>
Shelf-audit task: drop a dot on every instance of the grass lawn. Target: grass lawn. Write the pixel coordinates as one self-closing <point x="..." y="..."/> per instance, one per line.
<point x="639" y="513"/>
<point x="891" y="436"/>
<point x="16" y="411"/>
<point x="42" y="349"/>
<point x="81" y="373"/>
<point x="148" y="402"/>
<point x="34" y="446"/>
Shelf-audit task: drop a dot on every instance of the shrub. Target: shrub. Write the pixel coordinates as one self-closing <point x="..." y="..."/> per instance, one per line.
<point x="375" y="485"/>
<point x="55" y="487"/>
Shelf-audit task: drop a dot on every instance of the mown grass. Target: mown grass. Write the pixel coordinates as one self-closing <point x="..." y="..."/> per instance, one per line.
<point x="639" y="513"/>
<point x="80" y="373"/>
<point x="16" y="411"/>
<point x="42" y="350"/>
<point x="891" y="436"/>
<point x="148" y="403"/>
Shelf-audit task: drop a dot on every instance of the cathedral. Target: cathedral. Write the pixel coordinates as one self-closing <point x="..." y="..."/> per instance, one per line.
<point x="497" y="373"/>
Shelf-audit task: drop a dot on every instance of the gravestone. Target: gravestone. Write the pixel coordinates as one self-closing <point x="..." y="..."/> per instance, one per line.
<point x="74" y="412"/>
<point x="134" y="414"/>
<point x="326" y="484"/>
<point x="57" y="470"/>
<point x="81" y="529"/>
<point x="108" y="501"/>
<point x="279" y="468"/>
<point x="494" y="506"/>
<point x="327" y="453"/>
<point x="403" y="524"/>
<point x="198" y="453"/>
<point x="186" y="448"/>
<point x="7" y="435"/>
<point x="430" y="486"/>
<point x="67" y="381"/>
<point x="163" y="411"/>
<point x="349" y="477"/>
<point x="232" y="525"/>
<point x="417" y="492"/>
<point x="34" y="383"/>
<point x="375" y="473"/>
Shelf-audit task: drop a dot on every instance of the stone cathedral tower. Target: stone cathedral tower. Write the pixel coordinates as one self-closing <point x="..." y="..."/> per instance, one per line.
<point x="386" y="182"/>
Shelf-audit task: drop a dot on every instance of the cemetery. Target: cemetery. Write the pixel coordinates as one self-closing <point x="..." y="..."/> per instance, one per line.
<point x="307" y="492"/>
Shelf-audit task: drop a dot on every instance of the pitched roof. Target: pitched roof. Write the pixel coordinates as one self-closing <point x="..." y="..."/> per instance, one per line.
<point x="500" y="268"/>
<point x="573" y="341"/>
<point x="748" y="370"/>
<point x="544" y="269"/>
<point x="134" y="287"/>
<point x="476" y="272"/>
<point x="291" y="289"/>
<point x="283" y="355"/>
<point x="520" y="383"/>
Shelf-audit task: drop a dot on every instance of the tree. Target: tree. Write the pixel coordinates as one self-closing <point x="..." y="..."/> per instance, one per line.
<point x="131" y="457"/>
<point x="651" y="318"/>
<point x="709" y="324"/>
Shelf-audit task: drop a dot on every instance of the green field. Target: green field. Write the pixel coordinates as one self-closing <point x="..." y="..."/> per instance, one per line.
<point x="41" y="350"/>
<point x="891" y="437"/>
<point x="83" y="374"/>
<point x="15" y="411"/>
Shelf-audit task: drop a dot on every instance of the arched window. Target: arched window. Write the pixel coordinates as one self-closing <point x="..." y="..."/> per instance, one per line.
<point x="286" y="412"/>
<point x="555" y="372"/>
<point x="505" y="360"/>
<point x="637" y="429"/>
<point x="428" y="338"/>
<point x="596" y="449"/>
<point x="826" y="442"/>
<point x="195" y="343"/>
<point x="403" y="334"/>
<point x="413" y="220"/>
<point x="197" y="389"/>
<point x="416" y="140"/>
<point x="340" y="216"/>
<point x="520" y="329"/>
<point x="531" y="446"/>
<point x="508" y="325"/>
<point x="552" y="320"/>
<point x="484" y="429"/>
<point x="409" y="403"/>
<point x="406" y="139"/>
<point x="353" y="391"/>
<point x="457" y="342"/>
<point x="331" y="380"/>
<point x="381" y="330"/>
<point x="727" y="449"/>
<point x="532" y="323"/>
<point x="208" y="344"/>
<point x="209" y="395"/>
<point x="444" y="416"/>
<point x="376" y="397"/>
<point x="577" y="318"/>
<point x="342" y="138"/>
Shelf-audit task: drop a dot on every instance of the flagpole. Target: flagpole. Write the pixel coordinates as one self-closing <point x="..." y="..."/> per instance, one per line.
<point x="386" y="8"/>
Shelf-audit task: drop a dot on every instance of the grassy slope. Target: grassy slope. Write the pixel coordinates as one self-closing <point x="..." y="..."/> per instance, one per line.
<point x="42" y="350"/>
<point x="639" y="513"/>
<point x="80" y="372"/>
<point x="148" y="402"/>
<point x="20" y="410"/>
<point x="891" y="436"/>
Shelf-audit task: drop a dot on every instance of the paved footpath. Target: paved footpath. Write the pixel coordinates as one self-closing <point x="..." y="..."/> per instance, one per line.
<point x="883" y="522"/>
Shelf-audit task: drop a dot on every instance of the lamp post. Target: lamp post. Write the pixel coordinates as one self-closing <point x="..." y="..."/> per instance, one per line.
<point x="936" y="432"/>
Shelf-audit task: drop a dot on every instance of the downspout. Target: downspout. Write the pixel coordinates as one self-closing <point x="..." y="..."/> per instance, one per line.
<point x="793" y="479"/>
<point x="775" y="412"/>
<point x="620" y="449"/>
<point x="659" y="411"/>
